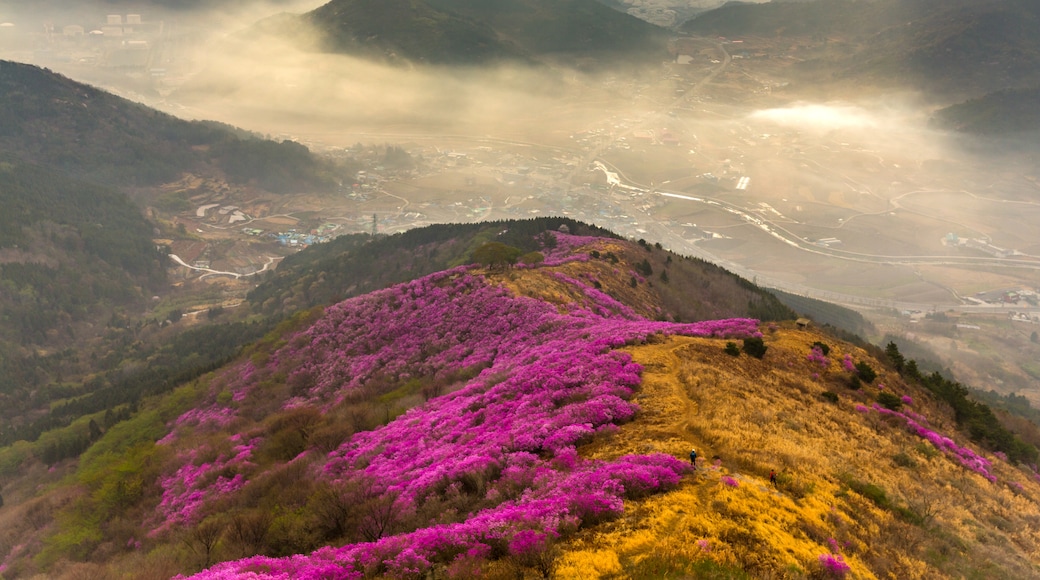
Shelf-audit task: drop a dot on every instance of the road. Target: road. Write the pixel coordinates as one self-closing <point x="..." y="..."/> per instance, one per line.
<point x="210" y="272"/>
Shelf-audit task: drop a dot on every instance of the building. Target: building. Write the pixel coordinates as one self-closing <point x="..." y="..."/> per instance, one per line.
<point x="985" y="246"/>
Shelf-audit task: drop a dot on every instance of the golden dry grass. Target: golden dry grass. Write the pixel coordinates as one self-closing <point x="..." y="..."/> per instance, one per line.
<point x="756" y="415"/>
<point x="539" y="283"/>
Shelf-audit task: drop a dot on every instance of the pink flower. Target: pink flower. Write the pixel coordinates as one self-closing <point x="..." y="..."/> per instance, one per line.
<point x="834" y="565"/>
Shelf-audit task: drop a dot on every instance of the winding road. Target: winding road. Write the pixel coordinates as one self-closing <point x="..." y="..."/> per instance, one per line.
<point x="210" y="272"/>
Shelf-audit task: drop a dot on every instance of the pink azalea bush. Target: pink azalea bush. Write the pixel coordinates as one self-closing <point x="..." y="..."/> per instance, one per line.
<point x="599" y="301"/>
<point x="834" y="565"/>
<point x="962" y="455"/>
<point x="816" y="356"/>
<point x="568" y="244"/>
<point x="187" y="490"/>
<point x="550" y="381"/>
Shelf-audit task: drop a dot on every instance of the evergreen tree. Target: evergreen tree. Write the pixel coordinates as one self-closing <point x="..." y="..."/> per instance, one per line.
<point x="895" y="357"/>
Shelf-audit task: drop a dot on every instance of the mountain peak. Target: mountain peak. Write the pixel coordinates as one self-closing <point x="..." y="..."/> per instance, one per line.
<point x="469" y="32"/>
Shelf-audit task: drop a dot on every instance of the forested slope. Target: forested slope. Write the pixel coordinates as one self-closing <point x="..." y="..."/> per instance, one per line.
<point x="52" y="121"/>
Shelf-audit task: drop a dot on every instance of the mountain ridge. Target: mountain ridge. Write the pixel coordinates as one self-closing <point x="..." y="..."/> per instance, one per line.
<point x="463" y="32"/>
<point x="53" y="121"/>
<point x="1011" y="112"/>
<point x="960" y="48"/>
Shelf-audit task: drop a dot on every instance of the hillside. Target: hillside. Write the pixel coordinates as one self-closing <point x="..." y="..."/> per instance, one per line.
<point x="962" y="47"/>
<point x="83" y="284"/>
<point x="679" y="288"/>
<point x="529" y="420"/>
<point x="52" y="121"/>
<point x="473" y="32"/>
<point x="1009" y="112"/>
<point x="72" y="256"/>
<point x="64" y="246"/>
<point x="103" y="371"/>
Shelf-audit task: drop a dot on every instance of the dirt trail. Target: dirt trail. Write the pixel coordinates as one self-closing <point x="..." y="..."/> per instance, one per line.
<point x="667" y="412"/>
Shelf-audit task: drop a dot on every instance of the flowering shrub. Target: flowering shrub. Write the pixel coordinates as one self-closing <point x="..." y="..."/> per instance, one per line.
<point x="729" y="481"/>
<point x="817" y="356"/>
<point x="566" y="244"/>
<point x="834" y="565"/>
<point x="962" y="455"/>
<point x="11" y="555"/>
<point x="187" y="490"/>
<point x="602" y="302"/>
<point x="550" y="381"/>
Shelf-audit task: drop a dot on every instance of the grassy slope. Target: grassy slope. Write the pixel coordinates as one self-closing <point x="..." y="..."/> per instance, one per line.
<point x="769" y="414"/>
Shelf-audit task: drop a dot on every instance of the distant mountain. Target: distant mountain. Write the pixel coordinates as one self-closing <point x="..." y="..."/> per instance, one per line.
<point x="668" y="13"/>
<point x="146" y="8"/>
<point x="408" y="29"/>
<point x="49" y="120"/>
<point x="475" y="32"/>
<point x="1010" y="112"/>
<point x="962" y="47"/>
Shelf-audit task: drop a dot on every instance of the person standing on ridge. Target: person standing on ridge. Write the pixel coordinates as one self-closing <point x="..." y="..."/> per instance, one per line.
<point x="772" y="477"/>
<point x="693" y="458"/>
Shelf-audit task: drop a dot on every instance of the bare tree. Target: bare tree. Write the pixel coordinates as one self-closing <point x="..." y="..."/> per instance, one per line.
<point x="203" y="540"/>
<point x="378" y="510"/>
<point x="249" y="530"/>
<point x="333" y="508"/>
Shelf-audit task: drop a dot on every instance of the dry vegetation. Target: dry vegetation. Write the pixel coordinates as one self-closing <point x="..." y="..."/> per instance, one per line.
<point x="848" y="482"/>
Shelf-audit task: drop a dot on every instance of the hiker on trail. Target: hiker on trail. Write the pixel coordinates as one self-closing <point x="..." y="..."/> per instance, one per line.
<point x="772" y="477"/>
<point x="693" y="458"/>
